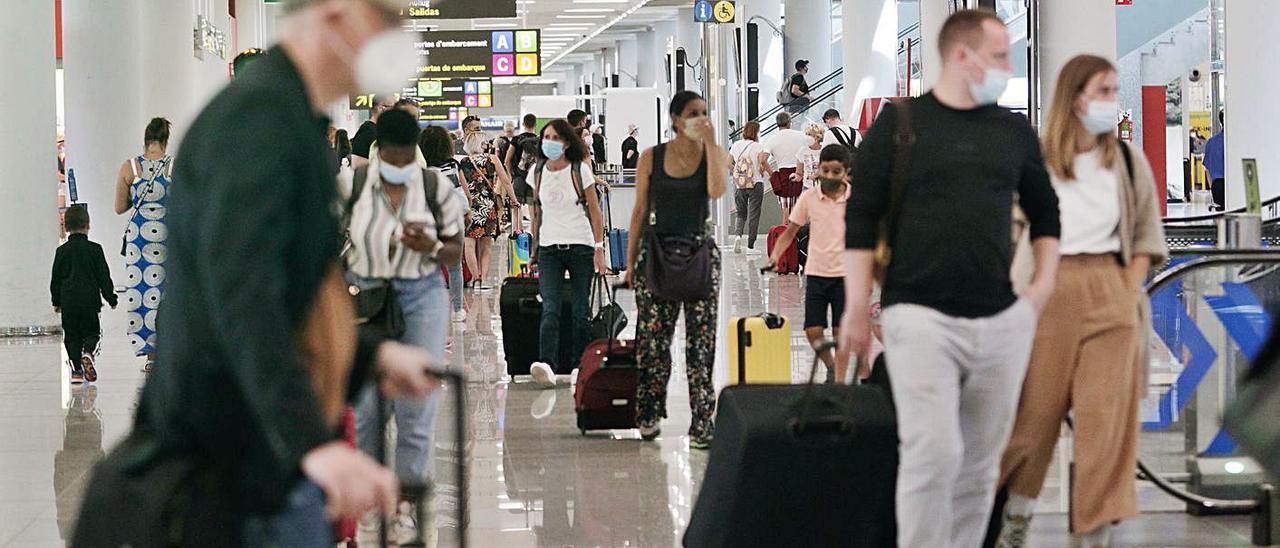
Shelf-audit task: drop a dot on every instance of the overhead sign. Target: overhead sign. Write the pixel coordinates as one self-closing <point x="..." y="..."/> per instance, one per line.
<point x="714" y="11"/>
<point x="438" y="98"/>
<point x="702" y="11"/>
<point x="479" y="53"/>
<point x="460" y="9"/>
<point x="723" y="11"/>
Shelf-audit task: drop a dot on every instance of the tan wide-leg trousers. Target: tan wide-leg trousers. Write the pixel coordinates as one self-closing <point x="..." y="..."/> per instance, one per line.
<point x="1084" y="360"/>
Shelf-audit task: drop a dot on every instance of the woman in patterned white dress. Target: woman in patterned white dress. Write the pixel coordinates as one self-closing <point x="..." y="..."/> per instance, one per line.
<point x="142" y="190"/>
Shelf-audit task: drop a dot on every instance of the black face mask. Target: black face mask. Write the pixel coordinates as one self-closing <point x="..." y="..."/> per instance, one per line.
<point x="830" y="186"/>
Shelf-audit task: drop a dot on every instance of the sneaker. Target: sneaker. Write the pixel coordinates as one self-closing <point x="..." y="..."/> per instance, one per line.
<point x="77" y="377"/>
<point x="543" y="375"/>
<point x="650" y="433"/>
<point x="699" y="444"/>
<point x="406" y="524"/>
<point x="460" y="316"/>
<point x="737" y="245"/>
<point x="369" y="524"/>
<point x="485" y="287"/>
<point x="1013" y="534"/>
<point x="573" y="377"/>
<point x="90" y="374"/>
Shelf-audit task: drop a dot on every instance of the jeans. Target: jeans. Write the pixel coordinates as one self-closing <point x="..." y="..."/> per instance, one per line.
<point x="302" y="524"/>
<point x="455" y="286"/>
<point x="426" y="316"/>
<point x="553" y="262"/>
<point x="956" y="383"/>
<point x="747" y="212"/>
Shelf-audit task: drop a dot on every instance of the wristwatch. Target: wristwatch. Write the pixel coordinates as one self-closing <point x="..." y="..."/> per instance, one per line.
<point x="598" y="245"/>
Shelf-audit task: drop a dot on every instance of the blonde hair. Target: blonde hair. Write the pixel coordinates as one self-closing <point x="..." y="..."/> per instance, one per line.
<point x="1060" y="135"/>
<point x="814" y="131"/>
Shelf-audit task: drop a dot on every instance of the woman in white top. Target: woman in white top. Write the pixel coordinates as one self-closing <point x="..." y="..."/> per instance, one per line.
<point x="1089" y="357"/>
<point x="807" y="158"/>
<point x="405" y="225"/>
<point x="748" y="163"/>
<point x="568" y="237"/>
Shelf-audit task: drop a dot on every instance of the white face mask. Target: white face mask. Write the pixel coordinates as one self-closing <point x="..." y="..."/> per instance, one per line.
<point x="994" y="81"/>
<point x="385" y="62"/>
<point x="1100" y="116"/>
<point x="396" y="175"/>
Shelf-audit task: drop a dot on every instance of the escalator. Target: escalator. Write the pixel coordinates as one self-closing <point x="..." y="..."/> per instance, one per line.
<point x="1201" y="230"/>
<point x="1211" y="313"/>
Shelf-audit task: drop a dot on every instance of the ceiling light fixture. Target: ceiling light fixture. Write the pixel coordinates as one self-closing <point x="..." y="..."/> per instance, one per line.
<point x="581" y="16"/>
<point x="590" y="10"/>
<point x="639" y="4"/>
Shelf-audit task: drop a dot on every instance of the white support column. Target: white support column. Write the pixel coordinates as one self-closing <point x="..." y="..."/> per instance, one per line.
<point x="105" y="79"/>
<point x="773" y="68"/>
<point x="933" y="13"/>
<point x="649" y="52"/>
<point x="807" y="35"/>
<point x="689" y="37"/>
<point x="1252" y="68"/>
<point x="29" y="186"/>
<point x="1068" y="29"/>
<point x="628" y="63"/>
<point x="870" y="49"/>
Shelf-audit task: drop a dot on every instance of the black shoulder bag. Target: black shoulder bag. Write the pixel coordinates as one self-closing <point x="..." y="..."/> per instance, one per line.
<point x="677" y="267"/>
<point x="903" y="140"/>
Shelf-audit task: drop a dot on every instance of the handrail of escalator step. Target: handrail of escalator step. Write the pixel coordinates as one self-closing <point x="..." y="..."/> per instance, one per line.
<point x="1217" y="215"/>
<point x="1208" y="258"/>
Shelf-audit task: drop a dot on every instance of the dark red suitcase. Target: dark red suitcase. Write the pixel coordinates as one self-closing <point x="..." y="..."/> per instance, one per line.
<point x="789" y="262"/>
<point x="605" y="397"/>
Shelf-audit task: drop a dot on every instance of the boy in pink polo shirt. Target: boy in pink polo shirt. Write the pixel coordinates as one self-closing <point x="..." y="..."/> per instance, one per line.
<point x="823" y="208"/>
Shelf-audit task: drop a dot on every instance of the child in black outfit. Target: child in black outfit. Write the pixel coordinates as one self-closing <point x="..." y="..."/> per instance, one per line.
<point x="81" y="280"/>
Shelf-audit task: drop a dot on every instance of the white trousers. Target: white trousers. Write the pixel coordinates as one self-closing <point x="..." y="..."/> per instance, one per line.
<point x="956" y="383"/>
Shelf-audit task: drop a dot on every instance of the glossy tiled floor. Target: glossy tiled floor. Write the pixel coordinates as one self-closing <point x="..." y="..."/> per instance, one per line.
<point x="534" y="482"/>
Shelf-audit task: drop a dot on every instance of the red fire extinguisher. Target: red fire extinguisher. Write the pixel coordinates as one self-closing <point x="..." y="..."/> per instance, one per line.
<point x="1125" y="129"/>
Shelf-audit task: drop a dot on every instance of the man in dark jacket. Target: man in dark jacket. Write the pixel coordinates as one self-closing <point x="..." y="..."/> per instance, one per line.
<point x="234" y="442"/>
<point x="80" y="282"/>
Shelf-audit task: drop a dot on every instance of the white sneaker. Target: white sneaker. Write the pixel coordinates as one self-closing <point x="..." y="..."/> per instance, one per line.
<point x="737" y="245"/>
<point x="573" y="377"/>
<point x="543" y="375"/>
<point x="460" y="315"/>
<point x="406" y="524"/>
<point x="369" y="524"/>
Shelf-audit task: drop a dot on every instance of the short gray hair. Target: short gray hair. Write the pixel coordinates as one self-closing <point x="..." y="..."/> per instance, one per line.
<point x="783" y="119"/>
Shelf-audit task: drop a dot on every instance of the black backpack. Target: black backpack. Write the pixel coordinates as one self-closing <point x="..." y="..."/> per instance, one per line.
<point x="528" y="151"/>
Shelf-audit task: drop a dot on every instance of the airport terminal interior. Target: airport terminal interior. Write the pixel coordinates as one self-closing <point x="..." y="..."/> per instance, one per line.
<point x="82" y="83"/>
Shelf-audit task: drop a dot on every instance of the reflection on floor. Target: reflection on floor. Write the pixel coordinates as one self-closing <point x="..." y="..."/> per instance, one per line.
<point x="534" y="481"/>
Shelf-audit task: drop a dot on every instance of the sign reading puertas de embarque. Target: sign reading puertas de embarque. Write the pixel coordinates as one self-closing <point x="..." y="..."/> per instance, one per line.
<point x="479" y="53"/>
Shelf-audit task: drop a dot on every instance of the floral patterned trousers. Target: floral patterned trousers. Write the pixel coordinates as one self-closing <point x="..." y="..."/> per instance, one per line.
<point x="655" y="331"/>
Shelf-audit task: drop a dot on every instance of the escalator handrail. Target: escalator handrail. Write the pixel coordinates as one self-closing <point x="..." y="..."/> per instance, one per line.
<point x="1208" y="258"/>
<point x="1214" y="216"/>
<point x="839" y="71"/>
<point x="821" y="98"/>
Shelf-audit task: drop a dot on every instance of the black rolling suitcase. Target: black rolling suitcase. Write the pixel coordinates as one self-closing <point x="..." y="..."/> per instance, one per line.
<point x="799" y="465"/>
<point x="521" y="311"/>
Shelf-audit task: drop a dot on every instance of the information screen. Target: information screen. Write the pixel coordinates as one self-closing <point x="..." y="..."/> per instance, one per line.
<point x="479" y="53"/>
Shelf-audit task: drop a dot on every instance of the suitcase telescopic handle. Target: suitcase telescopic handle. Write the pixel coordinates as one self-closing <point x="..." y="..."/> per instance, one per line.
<point x="420" y="491"/>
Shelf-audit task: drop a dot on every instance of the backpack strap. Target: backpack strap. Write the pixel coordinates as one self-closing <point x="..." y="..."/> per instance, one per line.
<point x="431" y="188"/>
<point x="357" y="187"/>
<point x="1128" y="158"/>
<point x="904" y="139"/>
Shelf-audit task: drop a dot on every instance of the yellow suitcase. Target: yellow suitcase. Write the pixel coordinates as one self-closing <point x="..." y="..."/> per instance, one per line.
<point x="760" y="350"/>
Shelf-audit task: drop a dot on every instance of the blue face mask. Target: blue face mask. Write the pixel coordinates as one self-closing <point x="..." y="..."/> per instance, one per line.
<point x="552" y="149"/>
<point x="396" y="175"/>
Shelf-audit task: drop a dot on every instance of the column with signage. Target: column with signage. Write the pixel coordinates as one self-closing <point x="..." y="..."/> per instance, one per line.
<point x="29" y="187"/>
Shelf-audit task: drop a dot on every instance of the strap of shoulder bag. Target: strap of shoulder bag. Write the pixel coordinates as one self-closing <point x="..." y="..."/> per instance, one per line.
<point x="151" y="182"/>
<point x="840" y="136"/>
<point x="904" y="140"/>
<point x="1128" y="158"/>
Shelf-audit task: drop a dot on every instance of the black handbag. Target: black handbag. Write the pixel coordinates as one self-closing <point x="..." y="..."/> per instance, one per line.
<point x="609" y="319"/>
<point x="378" y="309"/>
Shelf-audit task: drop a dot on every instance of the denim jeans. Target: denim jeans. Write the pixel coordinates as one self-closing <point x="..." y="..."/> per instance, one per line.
<point x="302" y="524"/>
<point x="426" y="316"/>
<point x="455" y="286"/>
<point x="553" y="262"/>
